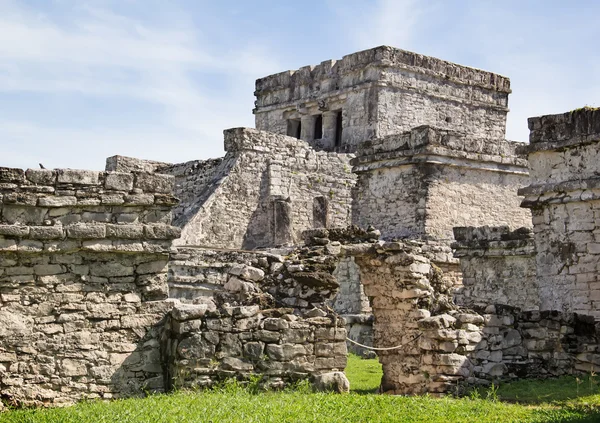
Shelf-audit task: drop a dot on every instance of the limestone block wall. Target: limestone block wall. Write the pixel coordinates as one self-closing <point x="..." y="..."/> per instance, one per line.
<point x="276" y="187"/>
<point x="209" y="345"/>
<point x="383" y="91"/>
<point x="564" y="197"/>
<point x="192" y="180"/>
<point x="83" y="279"/>
<point x="422" y="183"/>
<point x="498" y="267"/>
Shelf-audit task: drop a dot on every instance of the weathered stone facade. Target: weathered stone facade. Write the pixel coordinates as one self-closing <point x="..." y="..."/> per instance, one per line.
<point x="83" y="279"/>
<point x="378" y="92"/>
<point x="564" y="197"/>
<point x="246" y="313"/>
<point x="422" y="183"/>
<point x="265" y="192"/>
<point x="498" y="267"/>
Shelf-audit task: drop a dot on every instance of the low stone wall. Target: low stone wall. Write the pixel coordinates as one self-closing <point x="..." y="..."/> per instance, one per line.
<point x="505" y="343"/>
<point x="83" y="283"/>
<point x="207" y="345"/>
<point x="246" y="313"/>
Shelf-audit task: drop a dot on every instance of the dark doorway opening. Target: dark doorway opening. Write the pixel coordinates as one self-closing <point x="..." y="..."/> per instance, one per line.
<point x="294" y="128"/>
<point x="338" y="129"/>
<point x="319" y="127"/>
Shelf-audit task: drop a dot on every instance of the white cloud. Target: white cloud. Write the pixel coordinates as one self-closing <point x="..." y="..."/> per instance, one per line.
<point x="387" y="22"/>
<point x="99" y="54"/>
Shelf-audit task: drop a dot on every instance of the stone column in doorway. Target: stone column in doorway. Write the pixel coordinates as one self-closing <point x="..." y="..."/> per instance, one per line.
<point x="308" y="128"/>
<point x="329" y="128"/>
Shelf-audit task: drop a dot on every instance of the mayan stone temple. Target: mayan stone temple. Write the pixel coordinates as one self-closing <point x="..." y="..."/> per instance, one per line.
<point x="376" y="207"/>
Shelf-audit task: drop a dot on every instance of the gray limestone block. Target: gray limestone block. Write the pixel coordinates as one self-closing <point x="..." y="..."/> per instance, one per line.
<point x="41" y="176"/>
<point x="119" y="181"/>
<point x="162" y="231"/>
<point x="86" y="231"/>
<point x="124" y="231"/>
<point x="78" y="177"/>
<point x="254" y="350"/>
<point x="153" y="182"/>
<point x="248" y="273"/>
<point x="195" y="347"/>
<point x="275" y="324"/>
<point x="235" y="364"/>
<point x="151" y="267"/>
<point x="285" y="352"/>
<point x="14" y="230"/>
<point x="245" y="311"/>
<point x="57" y="201"/>
<point x="46" y="232"/>
<point x="184" y="312"/>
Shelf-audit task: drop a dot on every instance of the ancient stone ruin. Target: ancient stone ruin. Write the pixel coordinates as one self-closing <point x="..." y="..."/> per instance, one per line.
<point x="376" y="208"/>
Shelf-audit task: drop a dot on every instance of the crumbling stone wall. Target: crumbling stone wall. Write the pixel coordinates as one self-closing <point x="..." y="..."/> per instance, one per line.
<point x="498" y="267"/>
<point x="382" y="91"/>
<point x="83" y="279"/>
<point x="422" y="183"/>
<point x="432" y="345"/>
<point x="564" y="197"/>
<point x="248" y="313"/>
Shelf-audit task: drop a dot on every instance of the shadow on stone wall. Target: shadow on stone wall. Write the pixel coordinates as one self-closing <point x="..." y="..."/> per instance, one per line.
<point x="143" y="370"/>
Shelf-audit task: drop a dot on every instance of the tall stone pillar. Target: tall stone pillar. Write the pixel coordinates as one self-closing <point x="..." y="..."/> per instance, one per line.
<point x="564" y="197"/>
<point x="329" y="127"/>
<point x="307" y="131"/>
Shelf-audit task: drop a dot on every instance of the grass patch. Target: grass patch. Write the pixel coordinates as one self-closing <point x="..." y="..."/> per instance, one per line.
<point x="566" y="389"/>
<point x="234" y="403"/>
<point x="364" y="375"/>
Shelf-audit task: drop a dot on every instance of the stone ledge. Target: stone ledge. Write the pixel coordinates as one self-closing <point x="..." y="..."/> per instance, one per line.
<point x="430" y="144"/>
<point x="492" y="241"/>
<point x="386" y="56"/>
<point x="81" y="183"/>
<point x="90" y="231"/>
<point x="551" y="132"/>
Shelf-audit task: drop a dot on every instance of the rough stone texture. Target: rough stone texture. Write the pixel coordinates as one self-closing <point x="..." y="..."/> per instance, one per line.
<point x="302" y="280"/>
<point x="245" y="313"/>
<point x="498" y="267"/>
<point x="564" y="197"/>
<point x="83" y="283"/>
<point x="265" y="192"/>
<point x="379" y="92"/>
<point x="352" y="303"/>
<point x="442" y="345"/>
<point x="422" y="183"/>
<point x="240" y="341"/>
<point x="405" y="287"/>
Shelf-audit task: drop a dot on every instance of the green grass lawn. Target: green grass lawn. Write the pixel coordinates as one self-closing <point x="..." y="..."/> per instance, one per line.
<point x="548" y="401"/>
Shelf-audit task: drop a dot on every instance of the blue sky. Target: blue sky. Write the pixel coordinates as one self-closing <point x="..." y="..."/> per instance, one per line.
<point x="84" y="80"/>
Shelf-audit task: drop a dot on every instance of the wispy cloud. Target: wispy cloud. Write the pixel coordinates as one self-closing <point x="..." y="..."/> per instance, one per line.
<point x="369" y="24"/>
<point x="102" y="55"/>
